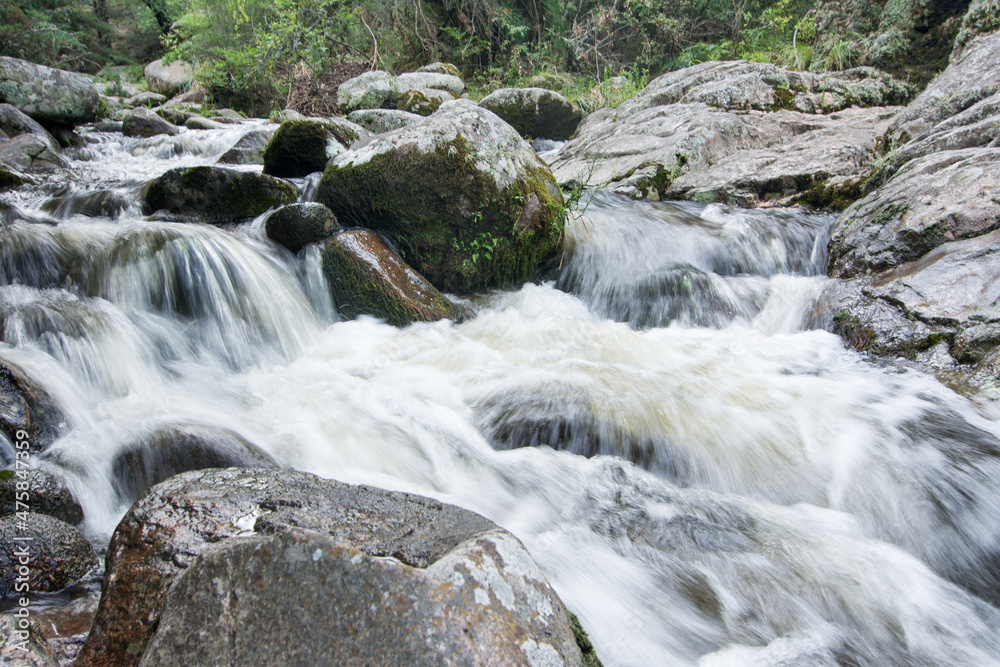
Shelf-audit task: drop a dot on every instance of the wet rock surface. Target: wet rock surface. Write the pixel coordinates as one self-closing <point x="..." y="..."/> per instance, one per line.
<point x="49" y="495"/>
<point x="216" y="194"/>
<point x="26" y="407"/>
<point x="297" y="225"/>
<point x="463" y="196"/>
<point x="59" y="554"/>
<point x="423" y="579"/>
<point x="367" y="278"/>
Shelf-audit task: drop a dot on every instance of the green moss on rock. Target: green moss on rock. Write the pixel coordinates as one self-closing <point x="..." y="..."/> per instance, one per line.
<point x="833" y="197"/>
<point x="302" y="147"/>
<point x="590" y="658"/>
<point x="367" y="277"/>
<point x="442" y="211"/>
<point x="216" y="194"/>
<point x="10" y="179"/>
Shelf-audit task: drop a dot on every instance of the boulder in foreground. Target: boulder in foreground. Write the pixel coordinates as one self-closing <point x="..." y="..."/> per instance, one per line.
<point x="245" y="560"/>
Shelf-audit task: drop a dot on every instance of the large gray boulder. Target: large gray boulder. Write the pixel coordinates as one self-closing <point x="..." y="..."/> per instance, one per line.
<point x="48" y="94"/>
<point x="367" y="278"/>
<point x="919" y="248"/>
<point x="535" y="112"/>
<point x="245" y="559"/>
<point x="168" y="80"/>
<point x="58" y="553"/>
<point x="216" y="195"/>
<point x="736" y="132"/>
<point x="382" y="90"/>
<point x="936" y="199"/>
<point x="302" y="147"/>
<point x="462" y="195"/>
<point x="970" y="78"/>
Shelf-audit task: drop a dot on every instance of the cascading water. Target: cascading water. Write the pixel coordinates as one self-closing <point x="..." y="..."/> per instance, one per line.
<point x="755" y="494"/>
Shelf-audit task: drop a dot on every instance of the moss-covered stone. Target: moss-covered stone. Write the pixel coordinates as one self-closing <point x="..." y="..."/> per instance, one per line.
<point x="367" y="278"/>
<point x="424" y="101"/>
<point x="467" y="202"/>
<point x="216" y="194"/>
<point x="48" y="94"/>
<point x="590" y="658"/>
<point x="829" y="196"/>
<point x="302" y="147"/>
<point x="535" y="112"/>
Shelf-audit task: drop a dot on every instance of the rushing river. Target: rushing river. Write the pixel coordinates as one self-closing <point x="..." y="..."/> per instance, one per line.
<point x="707" y="476"/>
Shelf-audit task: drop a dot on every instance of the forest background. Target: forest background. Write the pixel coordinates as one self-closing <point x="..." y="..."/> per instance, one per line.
<point x="259" y="56"/>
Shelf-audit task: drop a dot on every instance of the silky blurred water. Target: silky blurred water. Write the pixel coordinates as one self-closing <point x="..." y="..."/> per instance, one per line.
<point x="705" y="474"/>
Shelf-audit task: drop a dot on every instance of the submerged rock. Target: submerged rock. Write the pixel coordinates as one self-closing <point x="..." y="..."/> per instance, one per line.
<point x="59" y="554"/>
<point x="303" y="147"/>
<point x="168" y="80"/>
<point x="368" y="278"/>
<point x="49" y="495"/>
<point x="250" y="148"/>
<point x="537" y="113"/>
<point x="141" y="122"/>
<point x="48" y="94"/>
<point x="297" y="225"/>
<point x="465" y="199"/>
<point x="218" y="553"/>
<point x="216" y="194"/>
<point x="176" y="449"/>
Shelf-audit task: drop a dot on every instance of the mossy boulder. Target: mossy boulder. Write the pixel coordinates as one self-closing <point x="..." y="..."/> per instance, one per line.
<point x="11" y="178"/>
<point x="367" y="278"/>
<point x="381" y="90"/>
<point x="537" y="113"/>
<point x="378" y="121"/>
<point x="302" y="147"/>
<point x="982" y="17"/>
<point x="297" y="225"/>
<point x="423" y="101"/>
<point x="48" y="94"/>
<point x="462" y="195"/>
<point x="441" y="68"/>
<point x="216" y="194"/>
